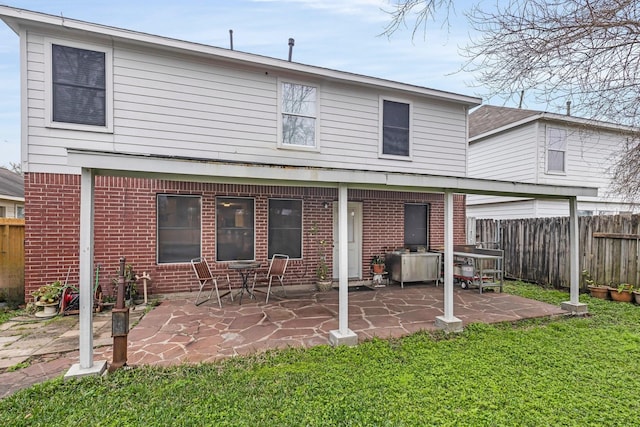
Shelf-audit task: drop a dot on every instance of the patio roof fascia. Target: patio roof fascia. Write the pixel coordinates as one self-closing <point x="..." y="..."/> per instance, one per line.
<point x="207" y="170"/>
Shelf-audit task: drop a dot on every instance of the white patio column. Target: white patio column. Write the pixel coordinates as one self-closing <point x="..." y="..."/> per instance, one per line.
<point x="448" y="322"/>
<point x="343" y="335"/>
<point x="574" y="305"/>
<point x="86" y="365"/>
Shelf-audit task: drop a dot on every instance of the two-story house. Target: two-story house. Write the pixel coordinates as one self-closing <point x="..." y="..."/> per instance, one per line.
<point x="162" y="150"/>
<point x="11" y="194"/>
<point x="544" y="148"/>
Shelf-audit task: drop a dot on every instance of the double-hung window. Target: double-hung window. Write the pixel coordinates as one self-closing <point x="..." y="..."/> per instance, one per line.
<point x="179" y="226"/>
<point x="298" y="124"/>
<point x="556" y="150"/>
<point x="235" y="236"/>
<point x="78" y="87"/>
<point x="416" y="226"/>
<point x="285" y="227"/>
<point x="396" y="128"/>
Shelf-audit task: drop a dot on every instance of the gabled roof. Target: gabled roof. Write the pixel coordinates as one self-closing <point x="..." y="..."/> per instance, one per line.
<point x="11" y="184"/>
<point x="489" y="119"/>
<point x="17" y="18"/>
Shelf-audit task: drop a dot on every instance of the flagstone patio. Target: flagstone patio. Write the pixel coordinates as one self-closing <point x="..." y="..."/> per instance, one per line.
<point x="176" y="331"/>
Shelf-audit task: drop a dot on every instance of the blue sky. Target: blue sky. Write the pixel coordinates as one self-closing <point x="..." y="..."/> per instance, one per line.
<point x="337" y="34"/>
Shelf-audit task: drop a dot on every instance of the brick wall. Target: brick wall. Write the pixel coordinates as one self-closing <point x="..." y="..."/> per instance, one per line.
<point x="125" y="225"/>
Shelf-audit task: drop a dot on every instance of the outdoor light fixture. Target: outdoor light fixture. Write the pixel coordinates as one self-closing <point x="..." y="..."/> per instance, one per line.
<point x="325" y="205"/>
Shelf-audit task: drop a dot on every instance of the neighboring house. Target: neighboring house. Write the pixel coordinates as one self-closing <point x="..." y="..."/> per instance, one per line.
<point x="163" y="150"/>
<point x="513" y="144"/>
<point x="11" y="194"/>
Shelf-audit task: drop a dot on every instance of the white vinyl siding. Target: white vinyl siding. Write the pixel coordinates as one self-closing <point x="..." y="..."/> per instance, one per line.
<point x="176" y="104"/>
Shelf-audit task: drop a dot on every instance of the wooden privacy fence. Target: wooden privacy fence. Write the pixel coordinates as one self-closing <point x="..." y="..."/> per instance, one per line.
<point x="537" y="249"/>
<point x="12" y="259"/>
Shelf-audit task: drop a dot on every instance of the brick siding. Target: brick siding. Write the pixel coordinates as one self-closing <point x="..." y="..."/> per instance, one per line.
<point x="125" y="225"/>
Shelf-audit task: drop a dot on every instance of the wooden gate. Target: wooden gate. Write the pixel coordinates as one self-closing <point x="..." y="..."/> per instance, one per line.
<point x="12" y="259"/>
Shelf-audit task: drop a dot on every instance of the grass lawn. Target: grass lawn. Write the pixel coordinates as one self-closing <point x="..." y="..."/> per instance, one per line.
<point x="567" y="371"/>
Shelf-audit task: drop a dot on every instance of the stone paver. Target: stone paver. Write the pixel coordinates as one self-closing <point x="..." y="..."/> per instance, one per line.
<point x="177" y="331"/>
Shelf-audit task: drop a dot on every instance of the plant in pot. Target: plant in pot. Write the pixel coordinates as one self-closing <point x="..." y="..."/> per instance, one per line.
<point x="596" y="290"/>
<point x="323" y="282"/>
<point x="377" y="264"/>
<point x="622" y="293"/>
<point x="48" y="297"/>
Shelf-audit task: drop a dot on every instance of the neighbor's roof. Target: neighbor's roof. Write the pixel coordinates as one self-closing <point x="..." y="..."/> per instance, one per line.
<point x="11" y="184"/>
<point x="17" y="18"/>
<point x="489" y="119"/>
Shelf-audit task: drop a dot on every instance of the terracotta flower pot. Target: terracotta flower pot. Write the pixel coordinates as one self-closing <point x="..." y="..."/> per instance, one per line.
<point x="622" y="296"/>
<point x="601" y="292"/>
<point x="378" y="268"/>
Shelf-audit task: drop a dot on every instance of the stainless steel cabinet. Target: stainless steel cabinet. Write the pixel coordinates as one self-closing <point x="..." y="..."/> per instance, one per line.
<point x="413" y="266"/>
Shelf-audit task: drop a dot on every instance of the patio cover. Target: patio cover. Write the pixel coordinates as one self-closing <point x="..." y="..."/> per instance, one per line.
<point x="94" y="163"/>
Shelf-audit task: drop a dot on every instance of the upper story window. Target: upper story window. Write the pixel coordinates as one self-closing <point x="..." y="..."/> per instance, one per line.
<point x="556" y="150"/>
<point x="298" y="115"/>
<point x="396" y="128"/>
<point x="78" y="89"/>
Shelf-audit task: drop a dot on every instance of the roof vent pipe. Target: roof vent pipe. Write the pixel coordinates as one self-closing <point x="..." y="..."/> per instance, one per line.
<point x="231" y="39"/>
<point x="291" y="43"/>
<point x="568" y="108"/>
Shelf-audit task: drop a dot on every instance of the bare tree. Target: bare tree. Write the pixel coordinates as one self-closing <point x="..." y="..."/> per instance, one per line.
<point x="583" y="51"/>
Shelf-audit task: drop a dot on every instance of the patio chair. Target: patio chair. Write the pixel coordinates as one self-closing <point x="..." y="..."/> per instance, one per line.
<point x="277" y="268"/>
<point x="203" y="273"/>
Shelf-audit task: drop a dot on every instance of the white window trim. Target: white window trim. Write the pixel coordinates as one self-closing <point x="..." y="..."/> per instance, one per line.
<point x="381" y="128"/>
<point x="48" y="86"/>
<point x="316" y="147"/>
<point x="546" y="151"/>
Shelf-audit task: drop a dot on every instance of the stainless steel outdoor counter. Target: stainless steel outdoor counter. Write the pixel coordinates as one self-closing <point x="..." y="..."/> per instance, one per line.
<point x="413" y="266"/>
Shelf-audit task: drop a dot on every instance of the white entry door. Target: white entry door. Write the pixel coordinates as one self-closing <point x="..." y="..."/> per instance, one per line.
<point x="354" y="234"/>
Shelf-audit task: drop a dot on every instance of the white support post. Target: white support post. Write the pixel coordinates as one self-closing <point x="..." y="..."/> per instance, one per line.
<point x="86" y="365"/>
<point x="574" y="305"/>
<point x="343" y="335"/>
<point x="448" y="322"/>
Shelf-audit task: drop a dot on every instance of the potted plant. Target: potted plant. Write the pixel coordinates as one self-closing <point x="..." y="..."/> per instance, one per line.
<point x="596" y="290"/>
<point x="377" y="264"/>
<point x="636" y="296"/>
<point x="48" y="297"/>
<point x="622" y="293"/>
<point x="323" y="282"/>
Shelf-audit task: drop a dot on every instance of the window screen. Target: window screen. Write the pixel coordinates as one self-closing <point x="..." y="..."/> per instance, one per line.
<point x="178" y="228"/>
<point x="285" y="227"/>
<point x="395" y="128"/>
<point x="416" y="226"/>
<point x="234" y="229"/>
<point x="79" y="88"/>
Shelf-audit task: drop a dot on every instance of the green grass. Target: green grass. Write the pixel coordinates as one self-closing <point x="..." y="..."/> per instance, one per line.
<point x="566" y="371"/>
<point x="6" y="314"/>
